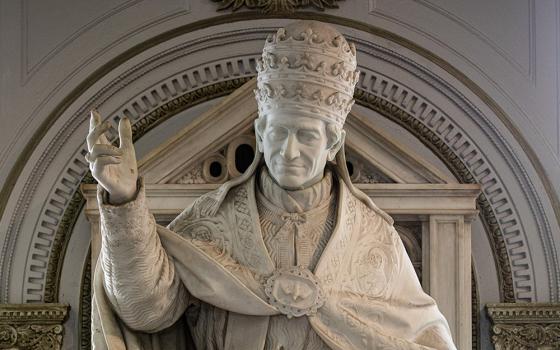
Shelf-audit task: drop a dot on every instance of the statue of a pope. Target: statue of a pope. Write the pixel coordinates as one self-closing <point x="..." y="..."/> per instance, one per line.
<point x="290" y="255"/>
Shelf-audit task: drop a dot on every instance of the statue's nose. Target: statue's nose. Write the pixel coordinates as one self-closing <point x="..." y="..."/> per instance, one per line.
<point x="290" y="148"/>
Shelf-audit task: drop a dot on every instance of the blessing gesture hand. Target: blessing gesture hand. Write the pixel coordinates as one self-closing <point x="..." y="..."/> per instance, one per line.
<point x="114" y="168"/>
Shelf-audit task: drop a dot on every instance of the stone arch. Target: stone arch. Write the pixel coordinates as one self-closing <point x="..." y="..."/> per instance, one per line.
<point x="165" y="98"/>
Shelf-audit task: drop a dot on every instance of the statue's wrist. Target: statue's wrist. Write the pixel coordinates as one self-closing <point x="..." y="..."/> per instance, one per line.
<point x="122" y="198"/>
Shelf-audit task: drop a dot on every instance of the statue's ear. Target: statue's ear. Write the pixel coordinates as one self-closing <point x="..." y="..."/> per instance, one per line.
<point x="258" y="135"/>
<point x="336" y="146"/>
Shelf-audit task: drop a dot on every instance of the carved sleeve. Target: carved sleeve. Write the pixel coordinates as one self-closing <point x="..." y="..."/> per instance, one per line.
<point x="139" y="276"/>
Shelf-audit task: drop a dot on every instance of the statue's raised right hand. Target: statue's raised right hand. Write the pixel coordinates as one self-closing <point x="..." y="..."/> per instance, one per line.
<point x="114" y="168"/>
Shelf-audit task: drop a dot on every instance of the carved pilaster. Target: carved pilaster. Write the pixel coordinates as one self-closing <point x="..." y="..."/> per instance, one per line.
<point x="518" y="326"/>
<point x="32" y="326"/>
<point x="446" y="272"/>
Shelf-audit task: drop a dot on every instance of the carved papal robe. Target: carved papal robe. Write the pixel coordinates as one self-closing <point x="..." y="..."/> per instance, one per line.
<point x="212" y="265"/>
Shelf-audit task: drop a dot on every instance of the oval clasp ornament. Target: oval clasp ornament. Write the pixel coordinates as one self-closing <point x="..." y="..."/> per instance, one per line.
<point x="294" y="291"/>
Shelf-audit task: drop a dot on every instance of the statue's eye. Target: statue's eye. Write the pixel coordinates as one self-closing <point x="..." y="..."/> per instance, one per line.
<point x="277" y="133"/>
<point x="308" y="136"/>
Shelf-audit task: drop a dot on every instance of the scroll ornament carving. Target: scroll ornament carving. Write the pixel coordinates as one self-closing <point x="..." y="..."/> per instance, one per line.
<point x="339" y="72"/>
<point x="30" y="337"/>
<point x="529" y="336"/>
<point x="525" y="326"/>
<point x="32" y="326"/>
<point x="277" y="6"/>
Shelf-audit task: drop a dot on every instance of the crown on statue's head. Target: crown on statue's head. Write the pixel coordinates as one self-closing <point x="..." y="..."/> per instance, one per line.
<point x="307" y="69"/>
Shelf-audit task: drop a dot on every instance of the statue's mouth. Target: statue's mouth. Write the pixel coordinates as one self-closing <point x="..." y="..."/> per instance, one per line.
<point x="291" y="166"/>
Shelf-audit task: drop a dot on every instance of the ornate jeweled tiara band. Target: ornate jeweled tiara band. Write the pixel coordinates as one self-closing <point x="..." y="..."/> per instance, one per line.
<point x="307" y="68"/>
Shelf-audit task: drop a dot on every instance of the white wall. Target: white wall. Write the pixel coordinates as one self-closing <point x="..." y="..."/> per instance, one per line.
<point x="501" y="54"/>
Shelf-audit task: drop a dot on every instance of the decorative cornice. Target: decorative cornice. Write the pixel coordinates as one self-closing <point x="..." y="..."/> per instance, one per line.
<point x="32" y="326"/>
<point x="518" y="326"/>
<point x="25" y="313"/>
<point x="501" y="313"/>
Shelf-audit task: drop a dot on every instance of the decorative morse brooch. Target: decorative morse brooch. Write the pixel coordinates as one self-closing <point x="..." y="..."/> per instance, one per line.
<point x="294" y="291"/>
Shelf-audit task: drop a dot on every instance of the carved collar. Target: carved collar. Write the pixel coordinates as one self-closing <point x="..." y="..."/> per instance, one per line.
<point x="297" y="201"/>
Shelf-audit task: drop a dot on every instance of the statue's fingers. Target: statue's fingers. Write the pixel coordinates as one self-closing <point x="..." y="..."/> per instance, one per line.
<point x="96" y="136"/>
<point x="94" y="119"/>
<point x="125" y="133"/>
<point x="92" y="158"/>
<point x="106" y="160"/>
<point x="103" y="140"/>
<point x="100" y="150"/>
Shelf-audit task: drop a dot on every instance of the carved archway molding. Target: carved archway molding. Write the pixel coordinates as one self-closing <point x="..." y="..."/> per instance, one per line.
<point x="160" y="101"/>
<point x="52" y="218"/>
<point x="145" y="104"/>
<point x="380" y="104"/>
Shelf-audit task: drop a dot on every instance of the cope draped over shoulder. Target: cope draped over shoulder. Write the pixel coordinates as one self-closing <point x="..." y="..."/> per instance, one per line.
<point x="372" y="297"/>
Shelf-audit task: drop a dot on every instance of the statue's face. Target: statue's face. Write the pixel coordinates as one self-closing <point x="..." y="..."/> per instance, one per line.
<point x="295" y="149"/>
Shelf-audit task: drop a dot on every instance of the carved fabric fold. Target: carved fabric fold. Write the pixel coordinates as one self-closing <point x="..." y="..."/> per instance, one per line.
<point x="373" y="297"/>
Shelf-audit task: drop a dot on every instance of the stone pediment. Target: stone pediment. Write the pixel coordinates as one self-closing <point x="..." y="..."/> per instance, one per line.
<point x="220" y="144"/>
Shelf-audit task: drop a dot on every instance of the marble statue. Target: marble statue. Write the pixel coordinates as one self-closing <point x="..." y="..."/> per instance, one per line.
<point x="290" y="255"/>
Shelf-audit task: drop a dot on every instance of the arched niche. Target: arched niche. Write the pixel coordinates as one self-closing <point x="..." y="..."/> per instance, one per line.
<point x="433" y="211"/>
<point x="47" y="234"/>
